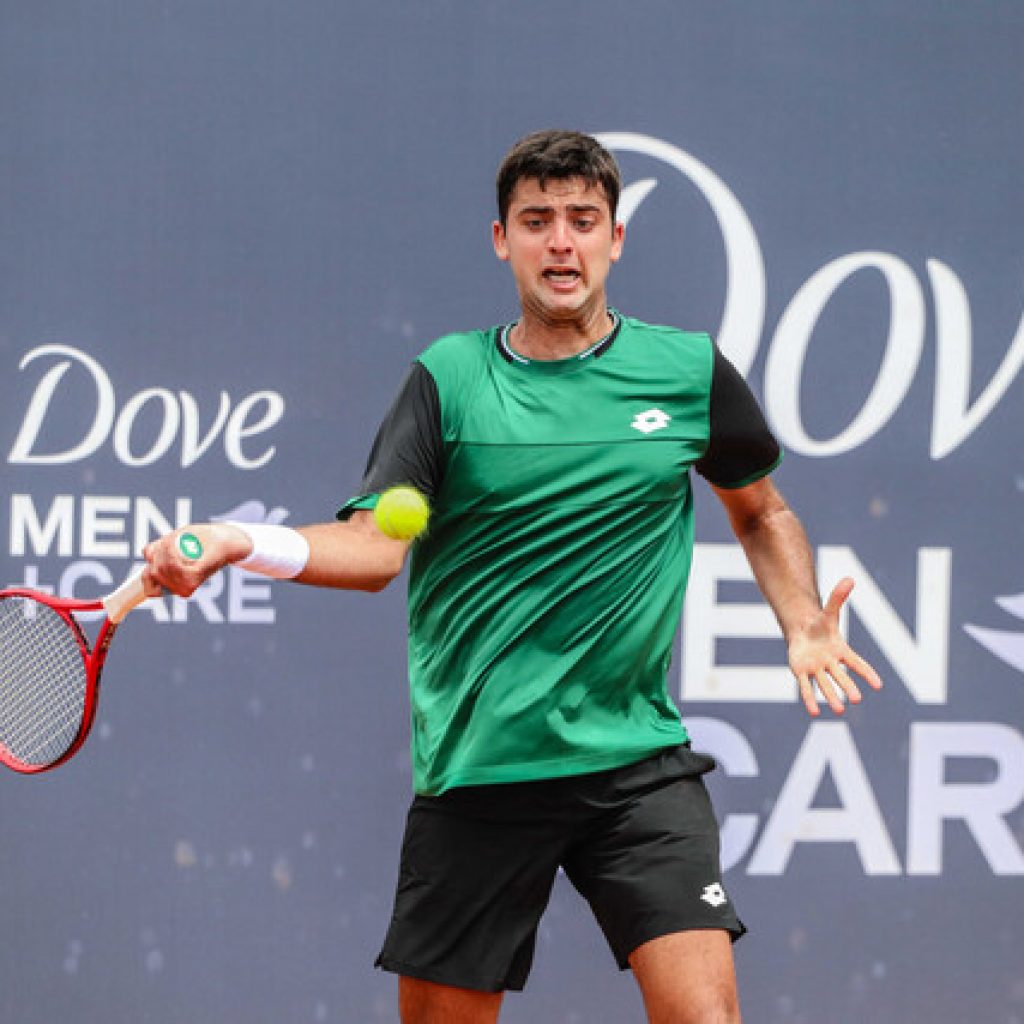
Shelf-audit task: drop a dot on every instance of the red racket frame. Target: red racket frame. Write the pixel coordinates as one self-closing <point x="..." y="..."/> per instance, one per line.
<point x="93" y="657"/>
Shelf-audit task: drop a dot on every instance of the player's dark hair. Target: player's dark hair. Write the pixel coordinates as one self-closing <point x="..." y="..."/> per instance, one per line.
<point x="556" y="156"/>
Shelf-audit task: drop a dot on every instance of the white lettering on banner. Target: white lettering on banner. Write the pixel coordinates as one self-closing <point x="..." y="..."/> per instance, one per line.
<point x="233" y="595"/>
<point x="919" y="659"/>
<point x="828" y="747"/>
<point x="93" y="572"/>
<point x="178" y="413"/>
<point x="55" y="534"/>
<point x="119" y="527"/>
<point x="95" y="525"/>
<point x="784" y="368"/>
<point x="706" y="620"/>
<point x="100" y="519"/>
<point x="981" y="806"/>
<point x="953" y="418"/>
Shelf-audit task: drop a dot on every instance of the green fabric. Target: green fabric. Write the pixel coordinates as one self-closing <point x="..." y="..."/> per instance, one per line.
<point x="544" y="598"/>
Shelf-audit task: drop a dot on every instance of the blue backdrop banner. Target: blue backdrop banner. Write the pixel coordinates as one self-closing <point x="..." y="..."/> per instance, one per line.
<point x="227" y="229"/>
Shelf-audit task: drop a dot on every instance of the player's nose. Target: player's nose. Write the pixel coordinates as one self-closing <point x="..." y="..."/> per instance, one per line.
<point x="560" y="237"/>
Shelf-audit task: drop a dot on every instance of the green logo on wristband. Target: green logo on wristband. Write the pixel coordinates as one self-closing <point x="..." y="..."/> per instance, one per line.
<point x="190" y="546"/>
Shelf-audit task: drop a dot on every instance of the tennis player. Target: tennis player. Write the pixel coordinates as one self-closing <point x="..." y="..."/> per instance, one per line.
<point x="555" y="452"/>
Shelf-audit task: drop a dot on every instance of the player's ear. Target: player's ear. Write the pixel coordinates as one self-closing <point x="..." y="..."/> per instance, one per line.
<point x="500" y="240"/>
<point x="618" y="238"/>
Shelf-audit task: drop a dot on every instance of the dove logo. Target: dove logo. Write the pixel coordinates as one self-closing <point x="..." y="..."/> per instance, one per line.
<point x="77" y="380"/>
<point x="954" y="416"/>
<point x="1007" y="645"/>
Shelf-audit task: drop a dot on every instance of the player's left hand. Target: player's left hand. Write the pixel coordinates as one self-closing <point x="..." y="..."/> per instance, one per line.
<point x="820" y="657"/>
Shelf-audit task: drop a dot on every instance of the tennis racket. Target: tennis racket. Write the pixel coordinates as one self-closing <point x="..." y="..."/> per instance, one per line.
<point x="49" y="674"/>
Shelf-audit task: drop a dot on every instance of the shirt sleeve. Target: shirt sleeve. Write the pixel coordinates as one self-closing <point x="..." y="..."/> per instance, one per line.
<point x="741" y="449"/>
<point x="408" y="448"/>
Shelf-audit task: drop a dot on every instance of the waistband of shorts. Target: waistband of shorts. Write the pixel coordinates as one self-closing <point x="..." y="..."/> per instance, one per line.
<point x="666" y="765"/>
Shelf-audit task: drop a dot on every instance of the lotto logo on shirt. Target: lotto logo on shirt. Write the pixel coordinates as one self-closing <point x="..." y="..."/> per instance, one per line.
<point x="650" y="421"/>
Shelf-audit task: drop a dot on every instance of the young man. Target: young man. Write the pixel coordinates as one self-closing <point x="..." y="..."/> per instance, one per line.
<point x="542" y="605"/>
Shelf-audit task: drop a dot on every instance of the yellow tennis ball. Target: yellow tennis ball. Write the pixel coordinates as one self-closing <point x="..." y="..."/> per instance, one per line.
<point x="402" y="513"/>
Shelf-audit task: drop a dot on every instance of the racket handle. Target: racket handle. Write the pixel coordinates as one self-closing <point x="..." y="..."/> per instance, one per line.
<point x="129" y="595"/>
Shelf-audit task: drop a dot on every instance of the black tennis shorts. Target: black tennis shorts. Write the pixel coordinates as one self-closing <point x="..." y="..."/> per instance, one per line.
<point x="639" y="843"/>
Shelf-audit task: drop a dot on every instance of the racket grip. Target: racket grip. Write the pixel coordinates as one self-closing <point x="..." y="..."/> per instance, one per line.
<point x="129" y="595"/>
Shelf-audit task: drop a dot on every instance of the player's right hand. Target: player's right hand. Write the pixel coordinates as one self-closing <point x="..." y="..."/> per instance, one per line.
<point x="181" y="561"/>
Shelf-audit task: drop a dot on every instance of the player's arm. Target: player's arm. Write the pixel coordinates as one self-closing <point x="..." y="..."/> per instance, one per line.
<point x="353" y="555"/>
<point x="350" y="555"/>
<point x="741" y="453"/>
<point x="780" y="556"/>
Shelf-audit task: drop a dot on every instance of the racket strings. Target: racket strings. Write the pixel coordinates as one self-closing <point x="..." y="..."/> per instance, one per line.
<point x="42" y="682"/>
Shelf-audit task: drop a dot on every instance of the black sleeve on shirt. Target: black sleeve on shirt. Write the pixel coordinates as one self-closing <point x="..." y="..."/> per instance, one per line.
<point x="409" y="446"/>
<point x="741" y="448"/>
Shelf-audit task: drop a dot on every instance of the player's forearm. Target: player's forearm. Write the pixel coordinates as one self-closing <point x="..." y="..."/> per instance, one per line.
<point x="783" y="564"/>
<point x="351" y="556"/>
<point x="354" y="555"/>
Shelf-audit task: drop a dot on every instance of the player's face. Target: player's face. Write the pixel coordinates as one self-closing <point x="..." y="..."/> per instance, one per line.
<point x="560" y="242"/>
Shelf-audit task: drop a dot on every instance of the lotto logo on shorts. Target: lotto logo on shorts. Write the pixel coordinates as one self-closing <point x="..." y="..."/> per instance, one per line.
<point x="714" y="894"/>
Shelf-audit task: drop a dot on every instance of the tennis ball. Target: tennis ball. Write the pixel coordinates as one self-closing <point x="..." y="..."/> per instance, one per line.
<point x="402" y="513"/>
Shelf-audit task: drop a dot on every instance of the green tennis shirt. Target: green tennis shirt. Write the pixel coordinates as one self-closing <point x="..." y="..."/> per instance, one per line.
<point x="544" y="598"/>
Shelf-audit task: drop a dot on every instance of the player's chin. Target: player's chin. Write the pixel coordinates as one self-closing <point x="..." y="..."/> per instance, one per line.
<point x="567" y="306"/>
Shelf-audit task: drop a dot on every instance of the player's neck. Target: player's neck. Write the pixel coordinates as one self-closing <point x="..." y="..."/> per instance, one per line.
<point x="543" y="338"/>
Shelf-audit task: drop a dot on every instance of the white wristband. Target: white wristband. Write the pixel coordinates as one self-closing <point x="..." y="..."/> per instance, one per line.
<point x="277" y="551"/>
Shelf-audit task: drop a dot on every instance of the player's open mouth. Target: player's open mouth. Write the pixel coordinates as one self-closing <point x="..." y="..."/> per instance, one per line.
<point x="564" y="278"/>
